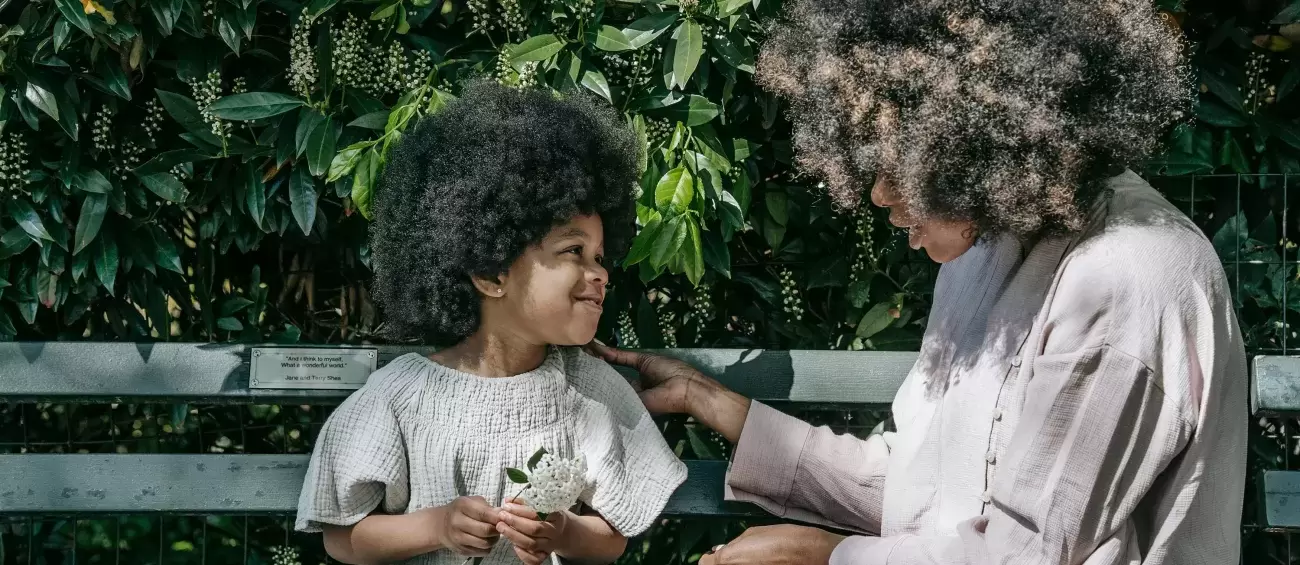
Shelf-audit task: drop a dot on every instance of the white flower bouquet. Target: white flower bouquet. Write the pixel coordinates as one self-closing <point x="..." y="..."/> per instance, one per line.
<point x="551" y="484"/>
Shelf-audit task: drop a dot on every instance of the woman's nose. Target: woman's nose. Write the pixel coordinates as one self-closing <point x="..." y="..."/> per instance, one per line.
<point x="882" y="193"/>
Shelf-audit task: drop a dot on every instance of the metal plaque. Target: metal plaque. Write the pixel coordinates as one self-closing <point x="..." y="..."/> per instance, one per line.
<point x="312" y="368"/>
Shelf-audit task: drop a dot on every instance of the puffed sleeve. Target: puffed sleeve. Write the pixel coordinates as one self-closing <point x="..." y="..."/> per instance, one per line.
<point x="359" y="461"/>
<point x="631" y="469"/>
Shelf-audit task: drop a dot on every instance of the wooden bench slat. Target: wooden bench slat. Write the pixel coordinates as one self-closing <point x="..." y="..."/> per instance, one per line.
<point x="1275" y="386"/>
<point x="218" y="373"/>
<point x="1280" y="501"/>
<point x="59" y="484"/>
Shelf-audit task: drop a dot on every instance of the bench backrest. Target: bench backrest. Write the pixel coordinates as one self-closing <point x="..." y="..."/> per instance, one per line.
<point x="80" y="372"/>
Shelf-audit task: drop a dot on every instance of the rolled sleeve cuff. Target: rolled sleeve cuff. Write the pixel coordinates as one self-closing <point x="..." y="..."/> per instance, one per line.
<point x="863" y="550"/>
<point x="768" y="452"/>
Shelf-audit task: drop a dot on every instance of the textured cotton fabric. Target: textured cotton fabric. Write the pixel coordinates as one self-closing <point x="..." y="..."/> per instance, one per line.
<point x="1080" y="400"/>
<point x="419" y="435"/>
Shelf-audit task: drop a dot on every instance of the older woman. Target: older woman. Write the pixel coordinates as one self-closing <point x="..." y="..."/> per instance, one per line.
<point x="1080" y="395"/>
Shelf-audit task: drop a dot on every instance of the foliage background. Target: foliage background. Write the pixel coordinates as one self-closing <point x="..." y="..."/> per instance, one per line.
<point x="201" y="170"/>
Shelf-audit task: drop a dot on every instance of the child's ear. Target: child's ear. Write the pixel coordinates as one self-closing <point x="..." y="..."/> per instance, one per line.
<point x="492" y="286"/>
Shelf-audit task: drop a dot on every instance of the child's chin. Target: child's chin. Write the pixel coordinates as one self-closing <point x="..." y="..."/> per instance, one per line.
<point x="574" y="339"/>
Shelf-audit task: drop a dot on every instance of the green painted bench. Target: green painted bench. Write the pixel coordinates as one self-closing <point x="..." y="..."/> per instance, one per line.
<point x="248" y="484"/>
<point x="1275" y="393"/>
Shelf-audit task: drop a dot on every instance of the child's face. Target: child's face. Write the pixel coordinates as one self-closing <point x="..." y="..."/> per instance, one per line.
<point x="553" y="293"/>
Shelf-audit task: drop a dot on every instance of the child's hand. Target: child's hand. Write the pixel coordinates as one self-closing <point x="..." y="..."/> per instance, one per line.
<point x="534" y="539"/>
<point x="468" y="526"/>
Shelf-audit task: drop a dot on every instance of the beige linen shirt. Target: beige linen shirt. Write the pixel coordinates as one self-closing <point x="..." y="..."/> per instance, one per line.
<point x="1079" y="401"/>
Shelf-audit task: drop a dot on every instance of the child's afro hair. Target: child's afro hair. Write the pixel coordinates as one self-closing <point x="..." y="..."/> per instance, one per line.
<point x="469" y="188"/>
<point x="1007" y="113"/>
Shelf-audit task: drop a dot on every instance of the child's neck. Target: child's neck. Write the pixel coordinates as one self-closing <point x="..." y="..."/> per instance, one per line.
<point x="489" y="354"/>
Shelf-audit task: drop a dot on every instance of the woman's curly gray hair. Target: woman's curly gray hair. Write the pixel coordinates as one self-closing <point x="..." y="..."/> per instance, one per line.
<point x="1007" y="113"/>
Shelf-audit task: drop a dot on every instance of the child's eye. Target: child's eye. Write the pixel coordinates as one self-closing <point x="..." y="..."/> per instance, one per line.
<point x="576" y="250"/>
<point x="600" y="259"/>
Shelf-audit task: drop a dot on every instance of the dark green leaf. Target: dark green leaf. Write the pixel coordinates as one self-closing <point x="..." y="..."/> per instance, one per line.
<point x="320" y="148"/>
<point x="876" y="319"/>
<point x="693" y="253"/>
<point x="363" y="182"/>
<point x="253" y="105"/>
<point x="106" y="261"/>
<point x="165" y="161"/>
<point x="318" y="7"/>
<point x="859" y="292"/>
<point x="229" y="324"/>
<point x="184" y="111"/>
<point x="643" y="243"/>
<point x="1223" y="88"/>
<point x="695" y="110"/>
<point x="110" y="71"/>
<point x="1289" y="81"/>
<point x="516" y="476"/>
<point x="611" y="38"/>
<point x="774" y="233"/>
<point x="165" y="254"/>
<point x="28" y="220"/>
<point x="13" y="242"/>
<point x="668" y="241"/>
<point x="308" y="120"/>
<point x="701" y="448"/>
<point x="91" y="218"/>
<point x="717" y="254"/>
<point x="254" y="195"/>
<point x="675" y="190"/>
<point x="165" y="185"/>
<point x="728" y="7"/>
<point x="166" y="12"/>
<point x="1217" y="114"/>
<point x="641" y="32"/>
<point x="536" y="458"/>
<point x="1289" y="14"/>
<point x="73" y="11"/>
<point x="778" y="206"/>
<point x="346" y="160"/>
<point x="1288" y="132"/>
<point x="687" y="47"/>
<point x="229" y="34"/>
<point x="595" y="82"/>
<point x="734" y="51"/>
<point x="43" y="99"/>
<point x="91" y="180"/>
<point x="373" y="120"/>
<point x="1229" y="238"/>
<point x="537" y="48"/>
<point x="234" y="305"/>
<point x="1231" y="155"/>
<point x="302" y="198"/>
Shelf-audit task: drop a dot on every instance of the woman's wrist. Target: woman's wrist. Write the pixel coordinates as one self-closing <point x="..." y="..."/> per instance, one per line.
<point x="721" y="409"/>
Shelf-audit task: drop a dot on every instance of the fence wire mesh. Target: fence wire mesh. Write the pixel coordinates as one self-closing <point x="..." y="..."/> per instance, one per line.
<point x="1247" y="217"/>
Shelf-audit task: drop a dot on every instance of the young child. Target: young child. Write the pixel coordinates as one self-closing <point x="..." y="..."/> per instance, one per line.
<point x="492" y="227"/>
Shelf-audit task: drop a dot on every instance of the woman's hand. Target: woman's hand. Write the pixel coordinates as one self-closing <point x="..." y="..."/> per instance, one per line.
<point x="670" y="386"/>
<point x="777" y="545"/>
<point x="467" y="526"/>
<point x="534" y="539"/>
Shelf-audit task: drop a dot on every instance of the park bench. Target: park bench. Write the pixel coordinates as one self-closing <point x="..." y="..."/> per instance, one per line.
<point x="252" y="484"/>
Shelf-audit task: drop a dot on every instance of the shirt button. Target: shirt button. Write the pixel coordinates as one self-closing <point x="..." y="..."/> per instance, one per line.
<point x="1015" y="361"/>
<point x="986" y="497"/>
<point x="991" y="457"/>
<point x="997" y="416"/>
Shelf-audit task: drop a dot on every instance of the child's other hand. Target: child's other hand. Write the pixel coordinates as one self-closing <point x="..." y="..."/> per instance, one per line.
<point x="468" y="526"/>
<point x="534" y="539"/>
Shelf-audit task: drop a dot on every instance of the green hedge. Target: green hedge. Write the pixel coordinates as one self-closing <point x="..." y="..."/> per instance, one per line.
<point x="202" y="170"/>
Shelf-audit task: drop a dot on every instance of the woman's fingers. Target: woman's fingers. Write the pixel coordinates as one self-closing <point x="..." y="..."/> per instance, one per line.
<point x="531" y="557"/>
<point x="527" y="526"/>
<point x="517" y="508"/>
<point x="613" y="355"/>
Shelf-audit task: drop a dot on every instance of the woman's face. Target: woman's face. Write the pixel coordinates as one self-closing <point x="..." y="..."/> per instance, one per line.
<point x="553" y="293"/>
<point x="943" y="240"/>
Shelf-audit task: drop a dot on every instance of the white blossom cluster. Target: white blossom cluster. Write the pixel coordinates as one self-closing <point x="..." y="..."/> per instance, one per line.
<point x="181" y="171"/>
<point x="100" y="130"/>
<point x="209" y="8"/>
<point x="153" y="119"/>
<point x="128" y="157"/>
<point x="377" y="69"/>
<point x="1258" y="92"/>
<point x="688" y="6"/>
<point x="790" y="298"/>
<point x="239" y="86"/>
<point x="629" y="68"/>
<point x="582" y="9"/>
<point x="555" y="483"/>
<point x="658" y="130"/>
<point x="13" y="165"/>
<point x="506" y="75"/>
<point x="284" y="555"/>
<point x="863" y="250"/>
<point x="627" y="338"/>
<point x="668" y="327"/>
<point x="481" y="13"/>
<point x="702" y="306"/>
<point x="206" y="92"/>
<point x="302" y="64"/>
<point x="513" y="19"/>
